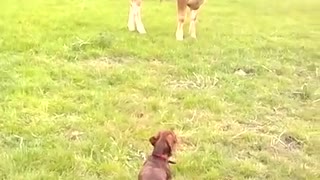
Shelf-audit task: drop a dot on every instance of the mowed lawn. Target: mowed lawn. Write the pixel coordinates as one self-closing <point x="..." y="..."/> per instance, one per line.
<point x="80" y="95"/>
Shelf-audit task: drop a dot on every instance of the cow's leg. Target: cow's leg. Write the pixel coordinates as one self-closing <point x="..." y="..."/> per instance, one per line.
<point x="135" y="17"/>
<point x="138" y="20"/>
<point x="131" y="22"/>
<point x="181" y="8"/>
<point x="192" y="27"/>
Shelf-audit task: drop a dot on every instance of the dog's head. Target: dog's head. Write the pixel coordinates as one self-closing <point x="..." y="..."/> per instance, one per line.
<point x="165" y="140"/>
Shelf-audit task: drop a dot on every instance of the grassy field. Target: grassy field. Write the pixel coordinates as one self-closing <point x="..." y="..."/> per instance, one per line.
<point x="80" y="95"/>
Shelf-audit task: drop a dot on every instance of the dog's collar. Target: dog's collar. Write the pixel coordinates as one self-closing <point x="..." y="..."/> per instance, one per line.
<point x="160" y="157"/>
<point x="165" y="158"/>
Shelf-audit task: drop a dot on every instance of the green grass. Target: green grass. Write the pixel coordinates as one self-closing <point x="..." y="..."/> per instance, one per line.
<point x="80" y="95"/>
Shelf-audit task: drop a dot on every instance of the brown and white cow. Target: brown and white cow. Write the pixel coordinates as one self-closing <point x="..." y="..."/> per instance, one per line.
<point x="135" y="21"/>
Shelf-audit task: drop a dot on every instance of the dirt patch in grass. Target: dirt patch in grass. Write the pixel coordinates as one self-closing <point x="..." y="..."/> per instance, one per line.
<point x="291" y="142"/>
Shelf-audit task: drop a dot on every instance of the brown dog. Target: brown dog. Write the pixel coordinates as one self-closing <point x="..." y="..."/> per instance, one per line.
<point x="156" y="167"/>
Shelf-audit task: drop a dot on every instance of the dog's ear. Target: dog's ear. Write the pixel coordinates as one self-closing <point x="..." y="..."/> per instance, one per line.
<point x="171" y="141"/>
<point x="154" y="139"/>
